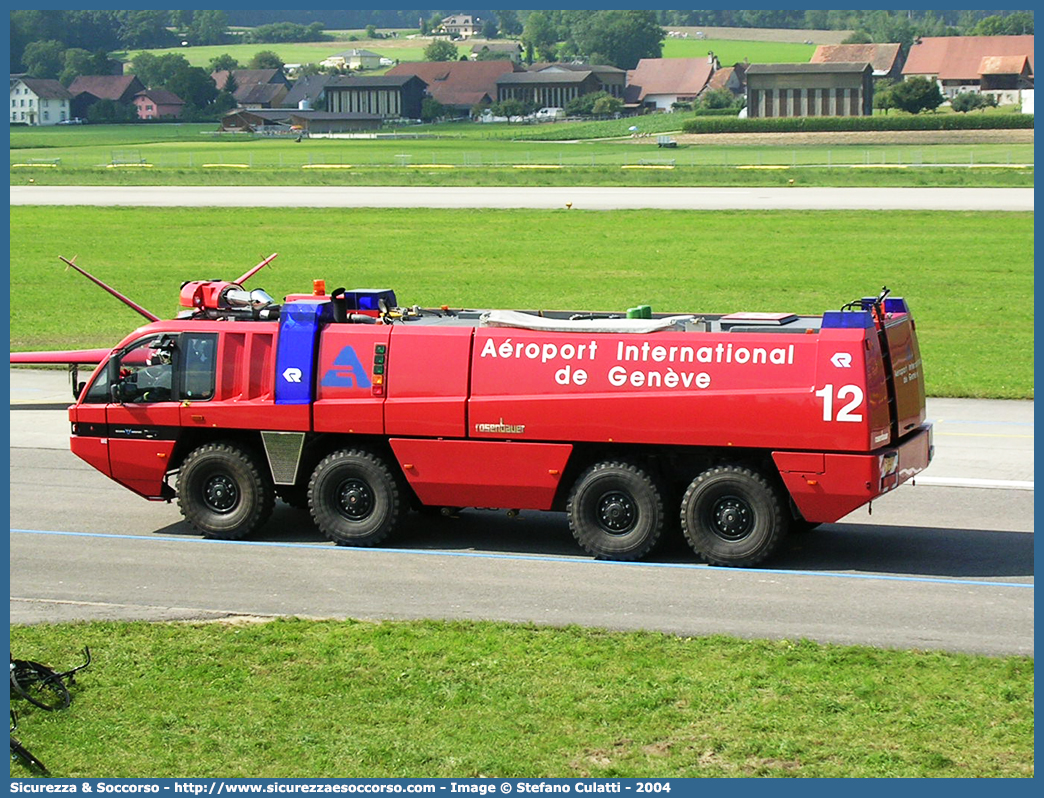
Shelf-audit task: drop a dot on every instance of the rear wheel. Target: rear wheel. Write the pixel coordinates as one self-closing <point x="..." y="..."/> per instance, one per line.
<point x="354" y="498"/>
<point x="732" y="516"/>
<point x="223" y="492"/>
<point x="616" y="511"/>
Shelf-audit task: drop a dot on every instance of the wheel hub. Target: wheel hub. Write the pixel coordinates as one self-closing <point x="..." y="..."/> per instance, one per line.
<point x="616" y="512"/>
<point x="355" y="499"/>
<point x="732" y="518"/>
<point x="220" y="493"/>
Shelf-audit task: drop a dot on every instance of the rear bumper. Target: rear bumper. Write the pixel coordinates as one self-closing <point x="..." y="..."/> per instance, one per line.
<point x="826" y="486"/>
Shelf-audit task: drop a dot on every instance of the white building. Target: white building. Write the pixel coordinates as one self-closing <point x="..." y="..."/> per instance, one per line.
<point x="39" y="101"/>
<point x="462" y="26"/>
<point x="353" y="59"/>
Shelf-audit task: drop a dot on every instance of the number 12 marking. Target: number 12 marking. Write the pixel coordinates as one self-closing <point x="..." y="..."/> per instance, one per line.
<point x="845" y="413"/>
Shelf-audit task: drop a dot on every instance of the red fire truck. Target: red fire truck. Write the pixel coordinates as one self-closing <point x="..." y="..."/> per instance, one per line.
<point x="739" y="427"/>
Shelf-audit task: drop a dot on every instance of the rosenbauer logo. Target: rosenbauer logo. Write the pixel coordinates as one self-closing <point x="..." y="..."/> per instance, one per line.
<point x="516" y="429"/>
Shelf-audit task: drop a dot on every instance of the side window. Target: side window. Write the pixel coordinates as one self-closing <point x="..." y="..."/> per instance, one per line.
<point x="146" y="371"/>
<point x="98" y="393"/>
<point x="198" y="365"/>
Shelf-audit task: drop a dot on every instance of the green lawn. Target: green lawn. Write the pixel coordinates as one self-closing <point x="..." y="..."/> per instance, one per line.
<point x="734" y="51"/>
<point x="402" y="49"/>
<point x="311" y="699"/>
<point x="590" y="153"/>
<point x="729" y="51"/>
<point x="968" y="276"/>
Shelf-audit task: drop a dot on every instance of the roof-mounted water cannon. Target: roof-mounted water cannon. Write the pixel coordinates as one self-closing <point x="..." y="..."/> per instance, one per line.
<point x="218" y="298"/>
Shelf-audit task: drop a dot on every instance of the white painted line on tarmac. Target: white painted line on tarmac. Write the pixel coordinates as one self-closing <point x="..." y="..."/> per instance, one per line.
<point x="962" y="482"/>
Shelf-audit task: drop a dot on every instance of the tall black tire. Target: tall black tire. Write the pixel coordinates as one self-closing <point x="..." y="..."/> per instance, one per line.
<point x="223" y="492"/>
<point x="354" y="498"/>
<point x="616" y="511"/>
<point x="733" y="516"/>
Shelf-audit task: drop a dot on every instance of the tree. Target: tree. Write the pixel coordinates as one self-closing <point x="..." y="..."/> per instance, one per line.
<point x="140" y="29"/>
<point x="1019" y="22"/>
<point x="110" y="111"/>
<point x="511" y="108"/>
<point x="540" y="35"/>
<point x="265" y="59"/>
<point x="157" y="70"/>
<point x="489" y="29"/>
<point x="82" y="62"/>
<point x="208" y="27"/>
<point x="44" y="59"/>
<point x="916" y="94"/>
<point x="858" y="37"/>
<point x="586" y="104"/>
<point x="719" y="98"/>
<point x="485" y="54"/>
<point x="223" y="63"/>
<point x="970" y="101"/>
<point x="195" y="87"/>
<point x="622" y="37"/>
<point x="507" y="22"/>
<point x="371" y="31"/>
<point x="607" y="105"/>
<point x="883" y="95"/>
<point x="279" y="32"/>
<point x="431" y="109"/>
<point x="440" y="50"/>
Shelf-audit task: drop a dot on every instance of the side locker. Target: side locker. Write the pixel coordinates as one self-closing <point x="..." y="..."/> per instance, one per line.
<point x="427" y="381"/>
<point x="353" y="369"/>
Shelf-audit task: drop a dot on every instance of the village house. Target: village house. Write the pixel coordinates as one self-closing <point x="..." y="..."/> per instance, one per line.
<point x="998" y="65"/>
<point x="86" y="90"/>
<point x="509" y="51"/>
<point x="885" y="59"/>
<point x="459" y="85"/>
<point x="39" y="101"/>
<point x="158" y="104"/>
<point x="659" y="83"/>
<point x="460" y="26"/>
<point x="353" y="59"/>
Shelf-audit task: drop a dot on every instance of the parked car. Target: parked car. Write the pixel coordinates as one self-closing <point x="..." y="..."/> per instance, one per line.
<point x="549" y="113"/>
<point x="74" y="121"/>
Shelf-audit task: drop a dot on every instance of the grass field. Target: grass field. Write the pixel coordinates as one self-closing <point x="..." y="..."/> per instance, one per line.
<point x="490" y="155"/>
<point x="729" y="51"/>
<point x="402" y="49"/>
<point x="968" y="276"/>
<point x="732" y="51"/>
<point x="296" y="698"/>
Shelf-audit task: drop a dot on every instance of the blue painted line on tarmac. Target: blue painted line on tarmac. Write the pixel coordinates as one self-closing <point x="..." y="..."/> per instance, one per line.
<point x="531" y="558"/>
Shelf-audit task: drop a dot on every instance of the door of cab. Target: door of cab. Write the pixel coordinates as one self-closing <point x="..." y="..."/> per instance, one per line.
<point x="143" y="425"/>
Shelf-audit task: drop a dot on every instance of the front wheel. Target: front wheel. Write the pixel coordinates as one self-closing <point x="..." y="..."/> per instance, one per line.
<point x="355" y="498"/>
<point x="222" y="492"/>
<point x="732" y="516"/>
<point x="616" y="511"/>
